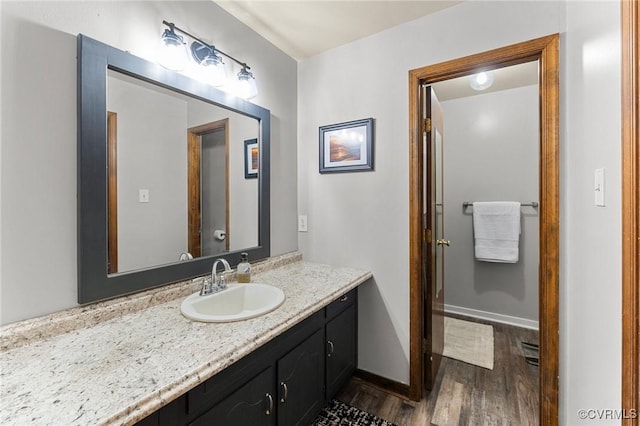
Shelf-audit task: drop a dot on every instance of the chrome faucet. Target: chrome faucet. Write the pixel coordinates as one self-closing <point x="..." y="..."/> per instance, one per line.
<point x="217" y="282"/>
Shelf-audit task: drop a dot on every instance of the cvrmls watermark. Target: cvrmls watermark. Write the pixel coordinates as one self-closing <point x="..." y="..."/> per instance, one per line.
<point x="607" y="414"/>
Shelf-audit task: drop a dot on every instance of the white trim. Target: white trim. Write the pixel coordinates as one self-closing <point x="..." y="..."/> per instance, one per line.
<point x="492" y="316"/>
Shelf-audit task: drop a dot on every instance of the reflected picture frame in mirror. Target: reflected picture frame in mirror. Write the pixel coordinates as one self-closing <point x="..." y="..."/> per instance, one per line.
<point x="251" y="158"/>
<point x="95" y="60"/>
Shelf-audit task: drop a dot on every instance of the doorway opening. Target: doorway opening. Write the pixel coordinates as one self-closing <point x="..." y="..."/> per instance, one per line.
<point x="545" y="51"/>
<point x="208" y="188"/>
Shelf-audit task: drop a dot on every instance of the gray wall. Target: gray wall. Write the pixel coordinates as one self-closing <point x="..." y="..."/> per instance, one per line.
<point x="361" y="219"/>
<point x="152" y="155"/>
<point x="38" y="113"/>
<point x="590" y="292"/>
<point x="491" y="144"/>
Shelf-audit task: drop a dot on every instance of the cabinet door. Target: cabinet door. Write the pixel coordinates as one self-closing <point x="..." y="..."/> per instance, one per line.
<point x="251" y="404"/>
<point x="341" y="349"/>
<point x="301" y="382"/>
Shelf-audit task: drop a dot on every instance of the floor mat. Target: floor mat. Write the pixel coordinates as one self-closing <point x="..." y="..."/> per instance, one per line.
<point x="469" y="342"/>
<point x="338" y="413"/>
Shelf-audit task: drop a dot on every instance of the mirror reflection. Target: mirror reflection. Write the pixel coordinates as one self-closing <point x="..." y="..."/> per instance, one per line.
<point x="177" y="176"/>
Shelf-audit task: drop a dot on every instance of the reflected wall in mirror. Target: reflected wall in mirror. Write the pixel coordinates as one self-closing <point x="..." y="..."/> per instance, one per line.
<point x="161" y="173"/>
<point x="178" y="176"/>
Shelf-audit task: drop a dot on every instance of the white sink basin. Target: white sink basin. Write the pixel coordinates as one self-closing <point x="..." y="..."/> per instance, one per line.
<point x="237" y="302"/>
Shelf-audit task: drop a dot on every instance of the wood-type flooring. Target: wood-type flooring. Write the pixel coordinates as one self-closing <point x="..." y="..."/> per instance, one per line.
<point x="465" y="394"/>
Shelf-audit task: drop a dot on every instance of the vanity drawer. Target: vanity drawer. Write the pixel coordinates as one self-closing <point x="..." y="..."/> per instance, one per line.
<point x="342" y="303"/>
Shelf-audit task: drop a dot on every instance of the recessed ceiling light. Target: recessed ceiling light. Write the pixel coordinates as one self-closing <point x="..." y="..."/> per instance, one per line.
<point x="481" y="81"/>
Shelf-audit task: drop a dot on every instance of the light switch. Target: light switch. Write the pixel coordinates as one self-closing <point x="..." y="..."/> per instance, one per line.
<point x="598" y="188"/>
<point x="143" y="195"/>
<point x="302" y="223"/>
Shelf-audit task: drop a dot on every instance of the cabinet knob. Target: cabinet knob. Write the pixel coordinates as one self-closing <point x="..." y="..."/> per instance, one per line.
<point x="285" y="391"/>
<point x="270" y="407"/>
<point x="344" y="298"/>
<point x="331" y="348"/>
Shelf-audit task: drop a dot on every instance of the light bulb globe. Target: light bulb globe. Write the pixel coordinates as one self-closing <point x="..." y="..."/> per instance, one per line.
<point x="481" y="81"/>
<point x="173" y="52"/>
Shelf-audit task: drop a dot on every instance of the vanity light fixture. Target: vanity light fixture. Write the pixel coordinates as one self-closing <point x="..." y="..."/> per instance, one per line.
<point x="246" y="84"/>
<point x="211" y="67"/>
<point x="481" y="81"/>
<point x="174" y="51"/>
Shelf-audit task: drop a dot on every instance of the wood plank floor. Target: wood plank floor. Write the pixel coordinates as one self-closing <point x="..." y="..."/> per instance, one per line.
<point x="465" y="394"/>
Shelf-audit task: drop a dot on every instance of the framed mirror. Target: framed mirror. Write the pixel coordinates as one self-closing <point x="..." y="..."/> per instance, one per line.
<point x="161" y="174"/>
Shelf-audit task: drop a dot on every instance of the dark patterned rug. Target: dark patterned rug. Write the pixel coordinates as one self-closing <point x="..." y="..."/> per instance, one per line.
<point x="337" y="413"/>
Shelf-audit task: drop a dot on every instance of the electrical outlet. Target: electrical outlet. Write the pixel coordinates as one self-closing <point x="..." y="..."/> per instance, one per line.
<point x="302" y="223"/>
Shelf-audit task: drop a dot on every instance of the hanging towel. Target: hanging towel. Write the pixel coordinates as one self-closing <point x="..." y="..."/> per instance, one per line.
<point x="496" y="230"/>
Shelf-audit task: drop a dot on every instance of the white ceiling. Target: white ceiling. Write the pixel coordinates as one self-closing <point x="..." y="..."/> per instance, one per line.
<point x="304" y="28"/>
<point x="505" y="78"/>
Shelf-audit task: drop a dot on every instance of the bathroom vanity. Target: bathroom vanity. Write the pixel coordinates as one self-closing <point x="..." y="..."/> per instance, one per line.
<point x="285" y="382"/>
<point x="137" y="359"/>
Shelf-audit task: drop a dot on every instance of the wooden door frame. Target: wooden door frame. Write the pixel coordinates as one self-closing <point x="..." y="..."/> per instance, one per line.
<point x="630" y="42"/>
<point x="112" y="192"/>
<point x="546" y="51"/>
<point x="194" y="152"/>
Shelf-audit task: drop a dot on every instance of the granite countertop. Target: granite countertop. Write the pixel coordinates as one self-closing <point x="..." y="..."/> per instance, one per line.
<point x="119" y="370"/>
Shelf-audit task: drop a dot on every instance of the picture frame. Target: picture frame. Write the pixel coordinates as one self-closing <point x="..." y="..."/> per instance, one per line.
<point x="346" y="147"/>
<point x="251" y="159"/>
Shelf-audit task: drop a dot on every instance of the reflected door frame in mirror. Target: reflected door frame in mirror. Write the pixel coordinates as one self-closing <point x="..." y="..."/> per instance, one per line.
<point x="94" y="280"/>
<point x="194" y="183"/>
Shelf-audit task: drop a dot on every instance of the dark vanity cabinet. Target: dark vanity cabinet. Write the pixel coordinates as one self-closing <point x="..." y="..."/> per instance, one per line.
<point x="301" y="382"/>
<point x="250" y="404"/>
<point x="341" y="343"/>
<point x="285" y="382"/>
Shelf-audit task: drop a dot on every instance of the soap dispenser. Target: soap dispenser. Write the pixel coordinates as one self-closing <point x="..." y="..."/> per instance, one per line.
<point x="243" y="274"/>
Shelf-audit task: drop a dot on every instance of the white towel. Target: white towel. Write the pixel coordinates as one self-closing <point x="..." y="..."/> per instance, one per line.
<point x="496" y="229"/>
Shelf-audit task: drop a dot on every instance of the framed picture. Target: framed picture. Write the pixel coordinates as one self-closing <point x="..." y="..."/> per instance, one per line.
<point x="251" y="158"/>
<point x="347" y="147"/>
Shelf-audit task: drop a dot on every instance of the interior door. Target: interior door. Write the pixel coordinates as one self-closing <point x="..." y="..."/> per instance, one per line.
<point x="433" y="230"/>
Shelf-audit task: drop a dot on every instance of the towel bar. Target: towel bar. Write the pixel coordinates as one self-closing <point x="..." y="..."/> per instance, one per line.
<point x="533" y="204"/>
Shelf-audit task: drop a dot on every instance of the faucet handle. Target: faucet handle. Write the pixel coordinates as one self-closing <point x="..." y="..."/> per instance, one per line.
<point x="206" y="286"/>
<point x="222" y="280"/>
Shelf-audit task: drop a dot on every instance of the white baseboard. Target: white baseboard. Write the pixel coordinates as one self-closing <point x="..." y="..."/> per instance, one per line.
<point x="491" y="316"/>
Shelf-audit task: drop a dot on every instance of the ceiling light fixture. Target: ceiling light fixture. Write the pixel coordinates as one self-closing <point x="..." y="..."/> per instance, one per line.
<point x="481" y="81"/>
<point x="212" y="68"/>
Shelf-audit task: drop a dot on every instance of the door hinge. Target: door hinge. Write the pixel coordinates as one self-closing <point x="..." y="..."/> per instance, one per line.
<point x="427" y="125"/>
<point x="425" y="346"/>
<point x="427" y="236"/>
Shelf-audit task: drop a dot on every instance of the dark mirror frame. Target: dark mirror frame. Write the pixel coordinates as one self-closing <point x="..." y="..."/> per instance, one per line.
<point x="94" y="282"/>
